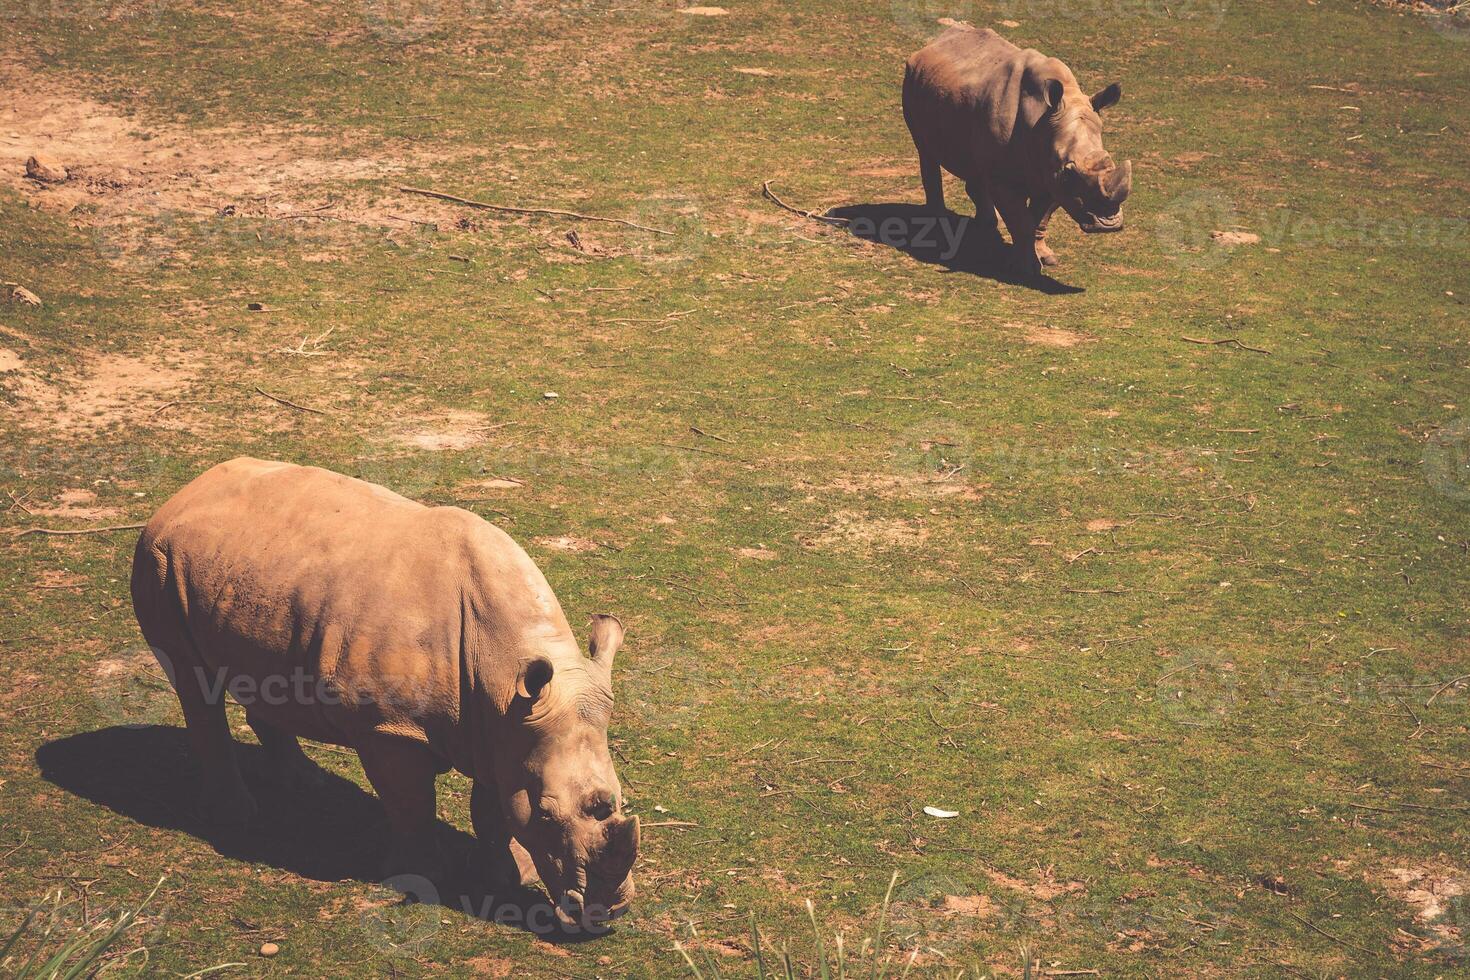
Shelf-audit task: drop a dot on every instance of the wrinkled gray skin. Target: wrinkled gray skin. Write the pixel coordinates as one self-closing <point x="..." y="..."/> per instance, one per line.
<point x="1016" y="128"/>
<point x="558" y="793"/>
<point x="422" y="637"/>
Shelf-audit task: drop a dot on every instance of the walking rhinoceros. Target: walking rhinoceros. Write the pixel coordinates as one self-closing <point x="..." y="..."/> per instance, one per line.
<point x="422" y="637"/>
<point x="1014" y="126"/>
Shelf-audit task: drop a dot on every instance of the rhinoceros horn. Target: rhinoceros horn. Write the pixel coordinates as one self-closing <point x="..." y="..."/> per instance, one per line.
<point x="1117" y="184"/>
<point x="622" y="841"/>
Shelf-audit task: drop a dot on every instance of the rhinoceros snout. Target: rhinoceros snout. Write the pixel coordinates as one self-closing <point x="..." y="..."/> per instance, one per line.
<point x="575" y="912"/>
<point x="1103" y="224"/>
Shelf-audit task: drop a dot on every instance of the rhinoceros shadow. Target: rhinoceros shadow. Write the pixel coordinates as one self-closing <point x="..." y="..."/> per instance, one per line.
<point x="950" y="240"/>
<point x="333" y="832"/>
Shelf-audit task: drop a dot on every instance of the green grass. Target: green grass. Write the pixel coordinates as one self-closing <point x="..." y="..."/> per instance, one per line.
<point x="1171" y="632"/>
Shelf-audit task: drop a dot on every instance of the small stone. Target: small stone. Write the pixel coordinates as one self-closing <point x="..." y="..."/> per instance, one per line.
<point x="20" y="294"/>
<point x="46" y="170"/>
<point x="549" y="395"/>
<point x="269" y="949"/>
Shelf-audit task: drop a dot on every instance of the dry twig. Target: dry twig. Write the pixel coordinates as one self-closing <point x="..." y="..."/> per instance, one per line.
<point x="80" y="530"/>
<point x="515" y="210"/>
<point x="825" y="219"/>
<point x="1226" y="340"/>
<point x="289" y="403"/>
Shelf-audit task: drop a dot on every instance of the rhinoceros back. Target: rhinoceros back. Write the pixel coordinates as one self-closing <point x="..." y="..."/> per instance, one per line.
<point x="961" y="98"/>
<point x="358" y="597"/>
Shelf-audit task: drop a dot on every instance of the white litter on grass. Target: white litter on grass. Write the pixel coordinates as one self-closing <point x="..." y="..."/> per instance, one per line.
<point x="934" y="811"/>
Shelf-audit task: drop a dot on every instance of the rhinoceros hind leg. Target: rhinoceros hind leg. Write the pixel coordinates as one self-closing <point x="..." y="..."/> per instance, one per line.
<point x="497" y="847"/>
<point x="292" y="765"/>
<point x="402" y="772"/>
<point x="933" y="179"/>
<point x="225" y="800"/>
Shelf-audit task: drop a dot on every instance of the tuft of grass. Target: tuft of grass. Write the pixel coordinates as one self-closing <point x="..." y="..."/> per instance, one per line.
<point x="838" y="966"/>
<point x="65" y="954"/>
<point x="833" y="967"/>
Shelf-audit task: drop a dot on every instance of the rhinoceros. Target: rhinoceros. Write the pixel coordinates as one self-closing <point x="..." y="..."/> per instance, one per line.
<point x="422" y="637"/>
<point x="1016" y="128"/>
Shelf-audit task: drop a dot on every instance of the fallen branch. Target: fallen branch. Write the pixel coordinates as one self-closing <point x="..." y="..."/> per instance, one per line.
<point x="288" y="402"/>
<point x="668" y="823"/>
<point x="1337" y="939"/>
<point x="696" y="449"/>
<point x="708" y="435"/>
<point x="1445" y="687"/>
<point x="81" y="530"/>
<point x="515" y="210"/>
<point x="766" y="190"/>
<point x="1226" y="340"/>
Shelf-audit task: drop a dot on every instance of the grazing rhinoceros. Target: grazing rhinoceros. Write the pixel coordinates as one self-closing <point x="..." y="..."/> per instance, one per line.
<point x="423" y="637"/>
<point x="1014" y="126"/>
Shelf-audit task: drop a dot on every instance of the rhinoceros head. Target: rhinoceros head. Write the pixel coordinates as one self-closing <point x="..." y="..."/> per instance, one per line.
<point x="561" y="796"/>
<point x="1085" y="180"/>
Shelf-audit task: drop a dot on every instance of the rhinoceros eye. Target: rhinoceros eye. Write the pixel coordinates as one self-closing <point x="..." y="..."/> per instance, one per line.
<point x="600" y="806"/>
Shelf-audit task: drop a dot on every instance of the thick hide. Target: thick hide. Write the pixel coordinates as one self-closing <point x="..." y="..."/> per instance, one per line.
<point x="1014" y="125"/>
<point x="423" y="637"/>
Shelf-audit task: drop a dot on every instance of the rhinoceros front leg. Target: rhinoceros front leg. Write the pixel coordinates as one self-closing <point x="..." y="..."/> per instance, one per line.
<point x="505" y="865"/>
<point x="1042" y="208"/>
<point x="402" y="772"/>
<point x="1011" y="203"/>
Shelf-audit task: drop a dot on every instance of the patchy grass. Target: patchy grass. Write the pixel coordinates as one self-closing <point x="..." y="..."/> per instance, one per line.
<point x="1173" y="626"/>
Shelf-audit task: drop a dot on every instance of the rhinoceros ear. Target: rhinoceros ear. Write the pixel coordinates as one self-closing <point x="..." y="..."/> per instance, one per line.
<point x="605" y="638"/>
<point x="1040" y="96"/>
<point x="535" y="675"/>
<point x="1107" y="97"/>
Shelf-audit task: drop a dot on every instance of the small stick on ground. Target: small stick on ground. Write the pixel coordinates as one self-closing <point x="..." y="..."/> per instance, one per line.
<point x="1337" y="939"/>
<point x="825" y="219"/>
<point x="289" y="403"/>
<point x="81" y="530"/>
<point x="1445" y="687"/>
<point x="1226" y="340"/>
<point x="708" y="435"/>
<point x="696" y="449"/>
<point x="516" y="210"/>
